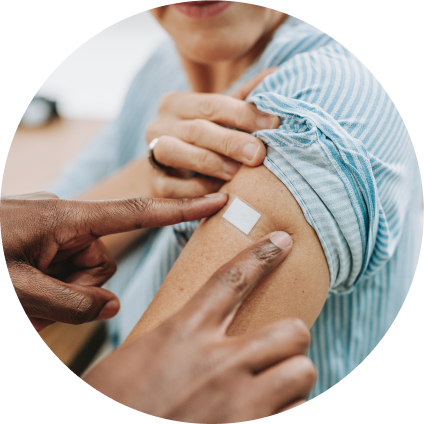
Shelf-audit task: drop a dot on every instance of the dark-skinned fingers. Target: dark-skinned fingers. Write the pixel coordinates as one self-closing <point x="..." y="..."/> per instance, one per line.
<point x="91" y="265"/>
<point x="239" y="146"/>
<point x="50" y="299"/>
<point x="287" y="382"/>
<point x="172" y="152"/>
<point x="245" y="89"/>
<point x="95" y="266"/>
<point x="272" y="343"/>
<point x="218" y="300"/>
<point x="100" y="218"/>
<point x="177" y="188"/>
<point x="219" y="108"/>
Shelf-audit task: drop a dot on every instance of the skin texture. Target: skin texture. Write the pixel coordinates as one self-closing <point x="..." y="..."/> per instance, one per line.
<point x="55" y="258"/>
<point x="187" y="368"/>
<point x="298" y="288"/>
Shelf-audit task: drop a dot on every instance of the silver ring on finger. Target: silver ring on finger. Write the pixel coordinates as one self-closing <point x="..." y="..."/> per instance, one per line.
<point x="152" y="158"/>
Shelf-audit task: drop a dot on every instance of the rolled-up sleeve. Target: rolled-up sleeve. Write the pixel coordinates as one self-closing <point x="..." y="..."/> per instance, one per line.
<point x="330" y="175"/>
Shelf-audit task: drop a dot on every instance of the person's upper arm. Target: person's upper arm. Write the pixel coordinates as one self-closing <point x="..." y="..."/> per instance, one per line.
<point x="316" y="191"/>
<point x="297" y="288"/>
<point x="343" y="174"/>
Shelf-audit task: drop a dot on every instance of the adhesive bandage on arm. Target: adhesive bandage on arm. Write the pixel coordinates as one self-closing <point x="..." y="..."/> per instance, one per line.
<point x="241" y="215"/>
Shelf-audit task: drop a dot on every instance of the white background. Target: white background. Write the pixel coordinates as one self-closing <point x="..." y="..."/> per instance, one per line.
<point x="36" y="36"/>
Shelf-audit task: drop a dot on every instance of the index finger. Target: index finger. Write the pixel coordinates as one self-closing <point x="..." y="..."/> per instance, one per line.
<point x="219" y="299"/>
<point x="103" y="217"/>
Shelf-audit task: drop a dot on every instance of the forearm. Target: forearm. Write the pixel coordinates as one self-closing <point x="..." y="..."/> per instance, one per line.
<point x="132" y="180"/>
<point x="297" y="288"/>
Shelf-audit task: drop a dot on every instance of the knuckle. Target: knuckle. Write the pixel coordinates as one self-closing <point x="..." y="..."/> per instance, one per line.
<point x="209" y="106"/>
<point x="165" y="101"/>
<point x="227" y="144"/>
<point x="240" y="115"/>
<point x="107" y="265"/>
<point x="174" y="330"/>
<point x="183" y="203"/>
<point x="204" y="161"/>
<point x="52" y="212"/>
<point x="82" y="310"/>
<point x="111" y="267"/>
<point x="193" y="129"/>
<point x="307" y="370"/>
<point x="235" y="279"/>
<point x="298" y="372"/>
<point x="266" y="254"/>
<point x="138" y="206"/>
<point x="302" y="334"/>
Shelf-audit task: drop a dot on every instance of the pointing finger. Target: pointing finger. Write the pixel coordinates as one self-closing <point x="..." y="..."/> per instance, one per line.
<point x="100" y="218"/>
<point x="219" y="299"/>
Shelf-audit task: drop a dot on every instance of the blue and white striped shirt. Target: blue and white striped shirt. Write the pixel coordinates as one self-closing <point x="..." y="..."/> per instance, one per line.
<point x="345" y="155"/>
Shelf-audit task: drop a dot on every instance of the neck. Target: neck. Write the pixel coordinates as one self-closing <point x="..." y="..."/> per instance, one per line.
<point x="218" y="77"/>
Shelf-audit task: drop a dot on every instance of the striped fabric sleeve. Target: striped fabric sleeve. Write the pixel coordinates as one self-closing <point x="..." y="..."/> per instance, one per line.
<point x="329" y="174"/>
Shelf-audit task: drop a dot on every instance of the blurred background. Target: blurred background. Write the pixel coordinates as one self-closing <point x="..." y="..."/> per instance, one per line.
<point x="83" y="94"/>
<point x="92" y="81"/>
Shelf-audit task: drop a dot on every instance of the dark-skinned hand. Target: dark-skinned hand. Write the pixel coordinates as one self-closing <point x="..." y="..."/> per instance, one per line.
<point x="187" y="369"/>
<point x="55" y="258"/>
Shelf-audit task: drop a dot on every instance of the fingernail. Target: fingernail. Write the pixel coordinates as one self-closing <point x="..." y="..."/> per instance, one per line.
<point x="109" y="310"/>
<point x="217" y="195"/>
<point x="281" y="240"/>
<point x="231" y="168"/>
<point x="267" y="122"/>
<point x="251" y="150"/>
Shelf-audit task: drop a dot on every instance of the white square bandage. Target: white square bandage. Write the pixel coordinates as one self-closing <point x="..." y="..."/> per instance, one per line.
<point x="241" y="216"/>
